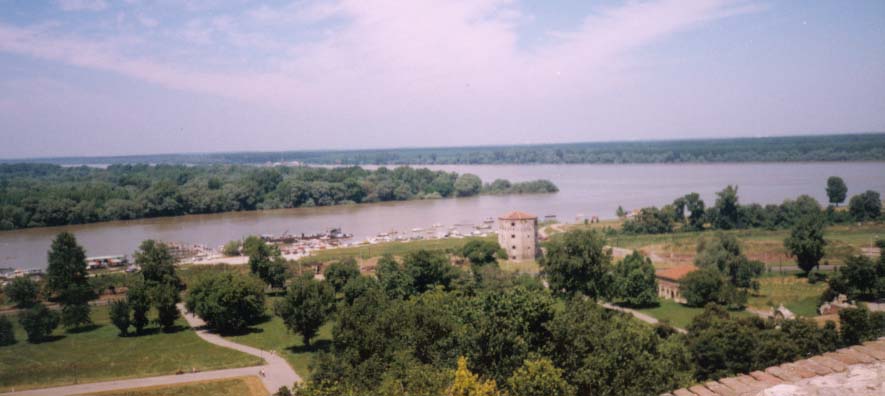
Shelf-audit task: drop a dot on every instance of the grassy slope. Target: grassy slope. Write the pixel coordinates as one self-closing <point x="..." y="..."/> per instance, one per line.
<point x="244" y="386"/>
<point x="273" y="336"/>
<point x="795" y="293"/>
<point x="100" y="355"/>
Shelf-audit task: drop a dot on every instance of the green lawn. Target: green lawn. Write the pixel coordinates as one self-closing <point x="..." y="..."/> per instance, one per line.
<point x="98" y="354"/>
<point x="795" y="293"/>
<point x="245" y="386"/>
<point x="273" y="336"/>
<point x="677" y="314"/>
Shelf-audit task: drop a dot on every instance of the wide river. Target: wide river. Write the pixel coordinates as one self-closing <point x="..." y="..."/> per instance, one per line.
<point x="585" y="190"/>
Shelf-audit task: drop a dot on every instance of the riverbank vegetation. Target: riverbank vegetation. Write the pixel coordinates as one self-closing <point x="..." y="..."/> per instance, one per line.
<point x="37" y="195"/>
<point x="843" y="147"/>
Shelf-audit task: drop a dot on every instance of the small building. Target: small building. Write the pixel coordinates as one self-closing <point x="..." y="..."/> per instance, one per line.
<point x="518" y="235"/>
<point x="668" y="281"/>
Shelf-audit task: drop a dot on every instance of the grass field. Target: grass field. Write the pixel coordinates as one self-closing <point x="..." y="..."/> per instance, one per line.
<point x="273" y="336"/>
<point x="679" y="315"/>
<point x="795" y="293"/>
<point x="759" y="244"/>
<point x="98" y="354"/>
<point x="243" y="386"/>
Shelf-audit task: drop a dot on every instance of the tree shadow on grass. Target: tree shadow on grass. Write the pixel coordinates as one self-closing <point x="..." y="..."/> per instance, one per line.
<point x="84" y="329"/>
<point x="48" y="339"/>
<point x="316" y="346"/>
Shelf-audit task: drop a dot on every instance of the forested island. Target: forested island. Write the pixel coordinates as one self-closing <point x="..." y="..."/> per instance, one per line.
<point x="847" y="147"/>
<point x="37" y="195"/>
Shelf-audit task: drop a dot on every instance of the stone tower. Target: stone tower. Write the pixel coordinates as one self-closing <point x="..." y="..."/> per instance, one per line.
<point x="518" y="235"/>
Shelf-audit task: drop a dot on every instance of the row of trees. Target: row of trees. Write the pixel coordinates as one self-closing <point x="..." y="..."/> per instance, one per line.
<point x="35" y="195"/>
<point x="688" y="213"/>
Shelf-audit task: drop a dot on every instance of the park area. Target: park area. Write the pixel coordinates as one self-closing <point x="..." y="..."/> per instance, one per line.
<point x="96" y="353"/>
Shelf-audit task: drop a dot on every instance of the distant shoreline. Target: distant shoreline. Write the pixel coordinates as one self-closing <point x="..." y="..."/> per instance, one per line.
<point x="858" y="147"/>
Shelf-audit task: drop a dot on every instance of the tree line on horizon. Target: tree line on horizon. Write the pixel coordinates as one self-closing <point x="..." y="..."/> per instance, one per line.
<point x="37" y="195"/>
<point x="845" y="147"/>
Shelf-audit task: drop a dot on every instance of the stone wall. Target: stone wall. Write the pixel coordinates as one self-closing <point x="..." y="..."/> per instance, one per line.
<point x="854" y="371"/>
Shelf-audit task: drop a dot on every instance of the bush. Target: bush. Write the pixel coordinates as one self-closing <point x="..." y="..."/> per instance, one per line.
<point x="138" y="299"/>
<point x="38" y="322"/>
<point x="231" y="248"/>
<point x="165" y="296"/>
<point x="865" y="206"/>
<point x="702" y="286"/>
<point x="341" y="272"/>
<point x="120" y="316"/>
<point x="859" y="325"/>
<point x="22" y="291"/>
<point x="7" y="335"/>
<point x="75" y="315"/>
<point x="227" y="301"/>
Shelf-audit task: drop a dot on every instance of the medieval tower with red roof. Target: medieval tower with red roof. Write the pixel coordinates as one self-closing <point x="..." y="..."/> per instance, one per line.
<point x="518" y="235"/>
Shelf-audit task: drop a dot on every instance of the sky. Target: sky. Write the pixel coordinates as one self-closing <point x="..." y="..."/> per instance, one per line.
<point x="117" y="77"/>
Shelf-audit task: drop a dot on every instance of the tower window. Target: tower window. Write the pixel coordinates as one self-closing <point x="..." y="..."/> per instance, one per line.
<point x="513" y="235"/>
<point x="513" y="224"/>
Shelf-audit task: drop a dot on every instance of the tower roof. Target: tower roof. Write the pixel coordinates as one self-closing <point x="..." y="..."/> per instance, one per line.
<point x="517" y="215"/>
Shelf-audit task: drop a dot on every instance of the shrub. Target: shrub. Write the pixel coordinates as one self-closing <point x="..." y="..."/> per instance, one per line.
<point x="7" y="335"/>
<point x="75" y="315"/>
<point x="120" y="316"/>
<point x="341" y="272"/>
<point x="22" y="291"/>
<point x="38" y="322"/>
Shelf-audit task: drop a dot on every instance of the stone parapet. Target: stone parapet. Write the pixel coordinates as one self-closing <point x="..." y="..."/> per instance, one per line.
<point x="854" y="371"/>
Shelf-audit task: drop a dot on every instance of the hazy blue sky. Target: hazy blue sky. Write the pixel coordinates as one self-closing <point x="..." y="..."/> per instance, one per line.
<point x="102" y="77"/>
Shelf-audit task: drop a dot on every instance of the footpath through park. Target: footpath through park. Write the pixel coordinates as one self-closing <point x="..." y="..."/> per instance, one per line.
<point x="277" y="372"/>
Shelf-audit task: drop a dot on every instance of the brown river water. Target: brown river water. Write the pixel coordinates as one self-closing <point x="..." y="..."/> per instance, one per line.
<point x="588" y="190"/>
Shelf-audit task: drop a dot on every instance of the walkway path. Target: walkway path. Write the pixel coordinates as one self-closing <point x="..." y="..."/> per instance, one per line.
<point x="277" y="371"/>
<point x="639" y="315"/>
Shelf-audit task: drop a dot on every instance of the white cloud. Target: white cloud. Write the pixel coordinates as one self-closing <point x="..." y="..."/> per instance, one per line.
<point x="81" y="5"/>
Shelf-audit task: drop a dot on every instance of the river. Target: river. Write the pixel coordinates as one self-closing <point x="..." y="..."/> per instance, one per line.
<point x="588" y="190"/>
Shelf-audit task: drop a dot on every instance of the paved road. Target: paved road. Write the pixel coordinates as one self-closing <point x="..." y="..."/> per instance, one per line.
<point x="277" y="371"/>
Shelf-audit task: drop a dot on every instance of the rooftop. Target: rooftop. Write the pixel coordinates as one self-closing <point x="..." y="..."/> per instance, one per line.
<point x="517" y="215"/>
<point x="676" y="273"/>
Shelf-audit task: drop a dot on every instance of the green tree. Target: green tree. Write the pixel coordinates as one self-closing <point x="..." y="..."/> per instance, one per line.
<point x="726" y="210"/>
<point x="621" y="213"/>
<point x="139" y="300"/>
<point x="726" y="255"/>
<point x="119" y="314"/>
<point x="395" y="281"/>
<point x="429" y="269"/>
<point x="341" y="272"/>
<point x="67" y="264"/>
<point x="165" y="297"/>
<point x="702" y="286"/>
<point x="859" y="279"/>
<point x="22" y="291"/>
<point x="836" y="190"/>
<point x="467" y="185"/>
<point x="695" y="206"/>
<point x="539" y="378"/>
<point x="481" y="252"/>
<point x="635" y="281"/>
<point x="75" y="315"/>
<point x="307" y="305"/>
<point x="578" y="262"/>
<point x="466" y="383"/>
<point x="227" y="301"/>
<point x="7" y="334"/>
<point x="265" y="261"/>
<point x="865" y="206"/>
<point x="38" y="322"/>
<point x="806" y="242"/>
<point x="232" y="248"/>
<point x="858" y="326"/>
<point x="157" y="264"/>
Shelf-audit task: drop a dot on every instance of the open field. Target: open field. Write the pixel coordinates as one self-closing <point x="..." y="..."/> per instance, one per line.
<point x="676" y="248"/>
<point x="98" y="354"/>
<point x="679" y="315"/>
<point x="795" y="293"/>
<point x="273" y="336"/>
<point x="243" y="386"/>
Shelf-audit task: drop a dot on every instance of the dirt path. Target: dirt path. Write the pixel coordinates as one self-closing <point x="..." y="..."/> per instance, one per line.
<point x="638" y="315"/>
<point x="277" y="371"/>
